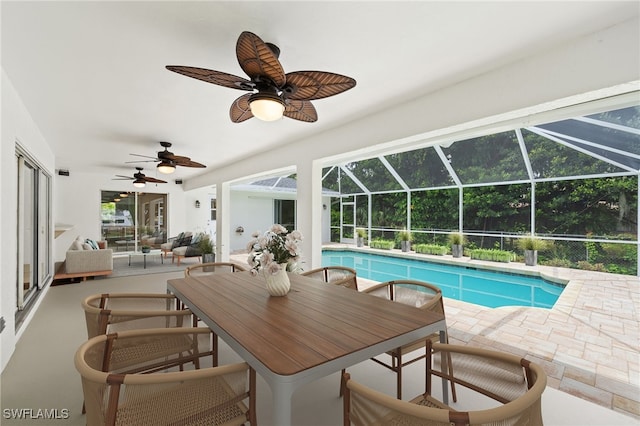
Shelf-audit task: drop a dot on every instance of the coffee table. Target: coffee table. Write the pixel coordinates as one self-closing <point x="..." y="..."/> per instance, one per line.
<point x="144" y="255"/>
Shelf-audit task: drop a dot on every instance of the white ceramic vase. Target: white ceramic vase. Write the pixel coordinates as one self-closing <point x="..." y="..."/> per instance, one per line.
<point x="278" y="284"/>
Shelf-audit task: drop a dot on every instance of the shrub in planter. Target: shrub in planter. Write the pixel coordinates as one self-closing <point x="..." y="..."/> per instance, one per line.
<point x="431" y="249"/>
<point x="457" y="241"/>
<point x="492" y="255"/>
<point x="531" y="243"/>
<point x="361" y="235"/>
<point x="405" y="240"/>
<point x="382" y="244"/>
<point x="530" y="246"/>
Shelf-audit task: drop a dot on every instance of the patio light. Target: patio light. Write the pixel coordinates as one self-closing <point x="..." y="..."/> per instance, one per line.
<point x="166" y="167"/>
<point x="266" y="106"/>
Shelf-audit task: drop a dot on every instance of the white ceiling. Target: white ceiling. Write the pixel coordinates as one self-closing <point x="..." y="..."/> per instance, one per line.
<point x="92" y="74"/>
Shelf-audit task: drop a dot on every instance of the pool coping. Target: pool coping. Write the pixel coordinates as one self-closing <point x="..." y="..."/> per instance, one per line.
<point x="588" y="342"/>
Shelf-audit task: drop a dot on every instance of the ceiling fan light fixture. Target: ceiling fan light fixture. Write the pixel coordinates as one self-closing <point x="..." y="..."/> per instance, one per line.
<point x="266" y="106"/>
<point x="166" y="167"/>
<point x="139" y="183"/>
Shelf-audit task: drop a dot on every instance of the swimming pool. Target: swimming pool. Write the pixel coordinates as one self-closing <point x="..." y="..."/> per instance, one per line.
<point x="482" y="287"/>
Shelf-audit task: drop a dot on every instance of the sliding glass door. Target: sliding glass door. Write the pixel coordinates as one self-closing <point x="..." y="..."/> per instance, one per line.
<point x="33" y="230"/>
<point x="131" y="219"/>
<point x="284" y="213"/>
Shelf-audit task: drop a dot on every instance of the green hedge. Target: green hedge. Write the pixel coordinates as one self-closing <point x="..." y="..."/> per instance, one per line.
<point x="382" y="244"/>
<point x="431" y="249"/>
<point x="492" y="255"/>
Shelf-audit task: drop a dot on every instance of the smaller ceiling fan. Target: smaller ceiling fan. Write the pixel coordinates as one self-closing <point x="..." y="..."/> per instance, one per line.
<point x="140" y="179"/>
<point x="168" y="160"/>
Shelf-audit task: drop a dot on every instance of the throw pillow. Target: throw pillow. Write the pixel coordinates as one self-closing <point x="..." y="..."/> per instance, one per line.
<point x="177" y="240"/>
<point x="76" y="245"/>
<point x="87" y="246"/>
<point x="184" y="241"/>
<point x="196" y="239"/>
<point x="92" y="243"/>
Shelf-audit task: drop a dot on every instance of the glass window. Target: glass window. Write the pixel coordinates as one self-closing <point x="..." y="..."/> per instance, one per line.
<point x="214" y="209"/>
<point x="285" y="213"/>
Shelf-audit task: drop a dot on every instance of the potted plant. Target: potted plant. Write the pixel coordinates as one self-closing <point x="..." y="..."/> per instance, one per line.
<point x="145" y="249"/>
<point x="206" y="248"/>
<point x="361" y="234"/>
<point x="456" y="240"/>
<point x="531" y="246"/>
<point x="405" y="240"/>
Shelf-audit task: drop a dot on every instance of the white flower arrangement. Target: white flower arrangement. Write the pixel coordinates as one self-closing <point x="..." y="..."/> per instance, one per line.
<point x="275" y="247"/>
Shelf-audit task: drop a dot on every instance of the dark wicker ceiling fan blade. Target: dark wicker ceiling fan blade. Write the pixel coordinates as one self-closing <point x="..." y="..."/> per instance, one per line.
<point x="215" y="77"/>
<point x="153" y="180"/>
<point x="301" y="110"/>
<point x="170" y="156"/>
<point x="258" y="60"/>
<point x="123" y="177"/>
<point x="309" y="85"/>
<point x="187" y="162"/>
<point x="240" y="110"/>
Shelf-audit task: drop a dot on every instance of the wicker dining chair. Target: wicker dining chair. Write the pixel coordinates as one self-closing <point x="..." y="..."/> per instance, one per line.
<point x="337" y="275"/>
<point x="113" y="312"/>
<point x="515" y="383"/>
<point x="425" y="296"/>
<point x="212" y="267"/>
<point x="168" y="387"/>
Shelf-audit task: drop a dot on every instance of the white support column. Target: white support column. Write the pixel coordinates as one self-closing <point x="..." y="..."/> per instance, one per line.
<point x="223" y="221"/>
<point x="309" y="212"/>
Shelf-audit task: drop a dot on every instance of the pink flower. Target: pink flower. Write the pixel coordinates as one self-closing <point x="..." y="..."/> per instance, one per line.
<point x="278" y="229"/>
<point x="251" y="244"/>
<point x="291" y="247"/>
<point x="267" y="258"/>
<point x="273" y="268"/>
<point x="295" y="235"/>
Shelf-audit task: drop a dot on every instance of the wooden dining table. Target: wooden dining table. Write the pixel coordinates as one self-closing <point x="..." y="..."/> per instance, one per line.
<point x="315" y="330"/>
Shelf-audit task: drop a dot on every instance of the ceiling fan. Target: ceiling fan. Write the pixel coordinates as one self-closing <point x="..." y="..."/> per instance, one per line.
<point x="139" y="178"/>
<point x="273" y="93"/>
<point x="168" y="160"/>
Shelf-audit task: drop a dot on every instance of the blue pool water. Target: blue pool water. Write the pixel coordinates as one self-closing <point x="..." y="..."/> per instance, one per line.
<point x="482" y="287"/>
